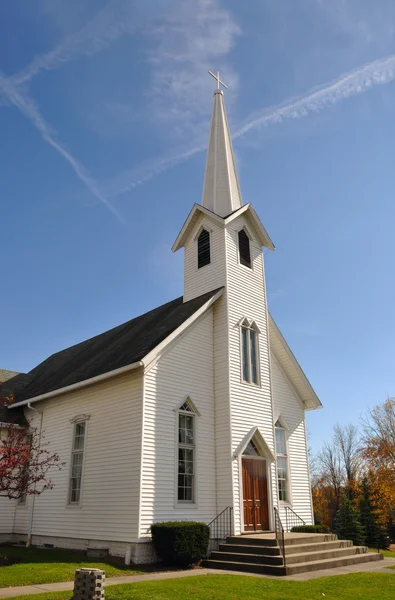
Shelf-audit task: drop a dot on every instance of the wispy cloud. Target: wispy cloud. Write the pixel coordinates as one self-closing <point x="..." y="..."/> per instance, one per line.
<point x="188" y="38"/>
<point x="116" y="19"/>
<point x="28" y="107"/>
<point x="358" y="81"/>
<point x="136" y="176"/>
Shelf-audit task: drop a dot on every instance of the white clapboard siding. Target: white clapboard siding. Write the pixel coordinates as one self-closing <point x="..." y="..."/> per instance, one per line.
<point x="212" y="276"/>
<point x="250" y="404"/>
<point x="196" y="282"/>
<point x="110" y="487"/>
<point x="185" y="369"/>
<point x="7" y="515"/>
<point x="7" y="506"/>
<point x="288" y="406"/>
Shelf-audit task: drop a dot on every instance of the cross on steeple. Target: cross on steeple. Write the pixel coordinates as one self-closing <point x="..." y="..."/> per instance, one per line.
<point x="216" y="77"/>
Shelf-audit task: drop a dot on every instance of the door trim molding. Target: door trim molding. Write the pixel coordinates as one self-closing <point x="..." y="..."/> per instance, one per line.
<point x="268" y="491"/>
<point x="255" y="435"/>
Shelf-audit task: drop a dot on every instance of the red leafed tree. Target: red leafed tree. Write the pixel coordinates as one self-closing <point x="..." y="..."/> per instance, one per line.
<point x="25" y="460"/>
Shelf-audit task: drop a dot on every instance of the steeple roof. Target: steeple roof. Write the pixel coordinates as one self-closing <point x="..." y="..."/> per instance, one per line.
<point x="221" y="193"/>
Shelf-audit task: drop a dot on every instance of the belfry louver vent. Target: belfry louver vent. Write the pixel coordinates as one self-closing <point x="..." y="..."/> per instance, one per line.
<point x="204" y="254"/>
<point x="244" y="249"/>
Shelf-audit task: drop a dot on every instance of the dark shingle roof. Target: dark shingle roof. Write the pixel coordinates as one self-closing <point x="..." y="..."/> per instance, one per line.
<point x="118" y="347"/>
<point x="10" y="382"/>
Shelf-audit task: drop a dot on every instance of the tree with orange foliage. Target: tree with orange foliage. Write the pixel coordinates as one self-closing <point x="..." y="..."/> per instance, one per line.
<point x="378" y="450"/>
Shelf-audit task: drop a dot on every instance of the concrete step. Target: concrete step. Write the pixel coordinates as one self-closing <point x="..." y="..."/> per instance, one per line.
<point x="247" y="558"/>
<point x="244" y="549"/>
<point x="332" y="563"/>
<point x="304" y="548"/>
<point x="245" y="567"/>
<point x="310" y="538"/>
<point x="325" y="554"/>
<point x="251" y="541"/>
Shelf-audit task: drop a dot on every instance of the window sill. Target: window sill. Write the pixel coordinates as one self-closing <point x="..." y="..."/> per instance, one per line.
<point x="187" y="505"/>
<point x="74" y="505"/>
<point x="251" y="384"/>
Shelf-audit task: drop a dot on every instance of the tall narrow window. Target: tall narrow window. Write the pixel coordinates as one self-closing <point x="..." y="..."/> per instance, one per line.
<point x="249" y="353"/>
<point x="77" y="459"/>
<point x="186" y="454"/>
<point x="282" y="462"/>
<point x="204" y="254"/>
<point x="244" y="249"/>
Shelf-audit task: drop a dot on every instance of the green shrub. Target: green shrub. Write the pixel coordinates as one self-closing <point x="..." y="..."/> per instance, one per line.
<point x="311" y="529"/>
<point x="6" y="561"/>
<point x="180" y="543"/>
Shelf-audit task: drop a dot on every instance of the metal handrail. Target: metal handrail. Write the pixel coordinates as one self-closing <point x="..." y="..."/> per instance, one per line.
<point x="221" y="527"/>
<point x="280" y="534"/>
<point x="292" y="519"/>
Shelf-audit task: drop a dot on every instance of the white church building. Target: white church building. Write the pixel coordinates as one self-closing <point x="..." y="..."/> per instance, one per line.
<point x="193" y="408"/>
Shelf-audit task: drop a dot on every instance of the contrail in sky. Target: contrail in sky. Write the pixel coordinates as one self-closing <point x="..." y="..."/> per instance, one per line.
<point x="355" y="82"/>
<point x="27" y="106"/>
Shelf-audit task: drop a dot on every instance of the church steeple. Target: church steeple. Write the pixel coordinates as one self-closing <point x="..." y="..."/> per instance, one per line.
<point x="221" y="193"/>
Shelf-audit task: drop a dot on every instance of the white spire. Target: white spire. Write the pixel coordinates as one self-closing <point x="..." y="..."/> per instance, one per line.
<point x="221" y="193"/>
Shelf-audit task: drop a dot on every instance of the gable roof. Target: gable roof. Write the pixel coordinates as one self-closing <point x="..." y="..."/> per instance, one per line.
<point x="292" y="368"/>
<point x="16" y="417"/>
<point x="119" y="347"/>
<point x="198" y="210"/>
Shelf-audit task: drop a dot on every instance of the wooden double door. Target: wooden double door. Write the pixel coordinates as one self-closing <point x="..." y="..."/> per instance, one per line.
<point x="255" y="495"/>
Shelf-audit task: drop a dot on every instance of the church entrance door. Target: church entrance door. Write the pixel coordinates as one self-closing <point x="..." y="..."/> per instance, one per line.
<point x="255" y="496"/>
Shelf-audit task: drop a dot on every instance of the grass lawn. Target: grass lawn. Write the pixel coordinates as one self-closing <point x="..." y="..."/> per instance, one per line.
<point x="367" y="586"/>
<point x="49" y="566"/>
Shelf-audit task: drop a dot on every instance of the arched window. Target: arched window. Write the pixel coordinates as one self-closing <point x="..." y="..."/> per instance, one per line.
<point x="282" y="462"/>
<point x="244" y="249"/>
<point x="186" y="453"/>
<point x="249" y="352"/>
<point x="204" y="254"/>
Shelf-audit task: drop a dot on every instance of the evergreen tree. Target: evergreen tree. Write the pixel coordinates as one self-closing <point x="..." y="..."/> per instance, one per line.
<point x="375" y="534"/>
<point x="391" y="527"/>
<point x="347" y="524"/>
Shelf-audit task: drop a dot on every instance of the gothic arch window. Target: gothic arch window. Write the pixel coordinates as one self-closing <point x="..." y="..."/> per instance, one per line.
<point x="244" y="248"/>
<point x="282" y="462"/>
<point x="77" y="458"/>
<point x="203" y="248"/>
<point x="186" y="461"/>
<point x="249" y="352"/>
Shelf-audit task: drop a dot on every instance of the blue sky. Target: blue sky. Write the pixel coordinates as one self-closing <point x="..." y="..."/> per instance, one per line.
<point x="104" y="116"/>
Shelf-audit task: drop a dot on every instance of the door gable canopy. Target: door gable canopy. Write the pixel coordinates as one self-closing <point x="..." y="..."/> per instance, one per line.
<point x="256" y="437"/>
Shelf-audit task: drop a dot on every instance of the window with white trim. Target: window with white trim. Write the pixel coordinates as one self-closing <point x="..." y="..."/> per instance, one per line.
<point x="77" y="461"/>
<point x="282" y="462"/>
<point x="186" y="454"/>
<point x="249" y="352"/>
